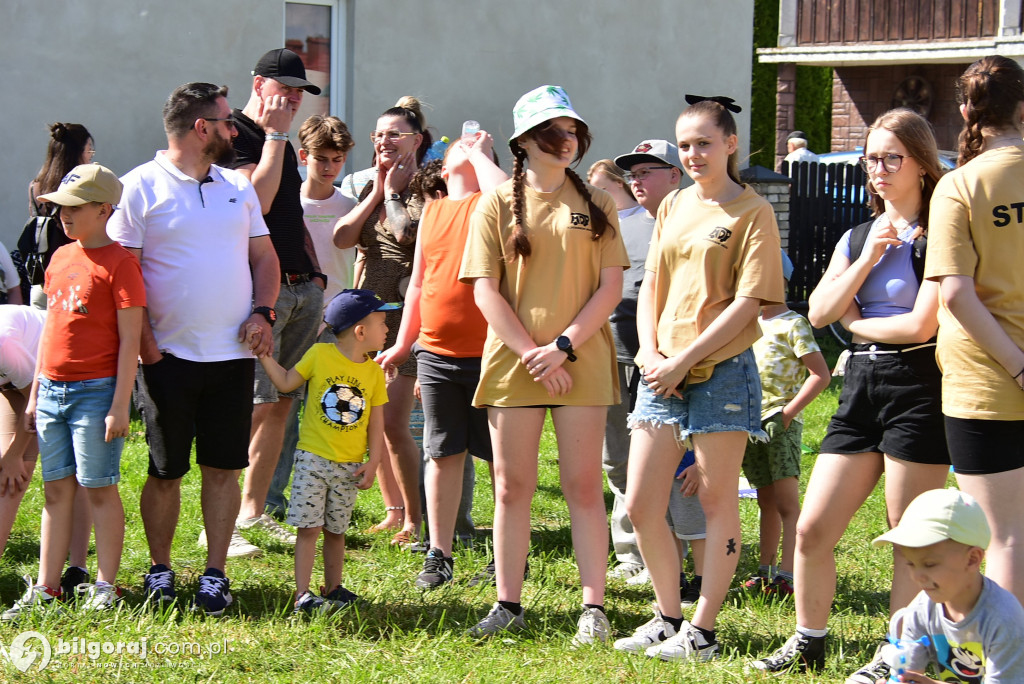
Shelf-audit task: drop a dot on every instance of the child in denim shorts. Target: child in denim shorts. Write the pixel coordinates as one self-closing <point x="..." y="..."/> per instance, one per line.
<point x="80" y="399"/>
<point x="342" y="421"/>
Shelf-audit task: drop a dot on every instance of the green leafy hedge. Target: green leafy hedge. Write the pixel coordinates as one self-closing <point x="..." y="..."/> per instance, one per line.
<point x="813" y="94"/>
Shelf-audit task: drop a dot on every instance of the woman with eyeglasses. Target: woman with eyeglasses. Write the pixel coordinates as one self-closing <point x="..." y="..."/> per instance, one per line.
<point x="384" y="225"/>
<point x="889" y="418"/>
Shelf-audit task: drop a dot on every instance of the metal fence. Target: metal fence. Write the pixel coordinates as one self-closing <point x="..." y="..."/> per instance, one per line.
<point x="825" y="200"/>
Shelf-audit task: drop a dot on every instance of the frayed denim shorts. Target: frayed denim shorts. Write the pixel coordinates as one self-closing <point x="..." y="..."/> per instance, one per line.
<point x="728" y="401"/>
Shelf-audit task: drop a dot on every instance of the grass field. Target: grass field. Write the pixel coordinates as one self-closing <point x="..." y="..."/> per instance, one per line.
<point x="400" y="634"/>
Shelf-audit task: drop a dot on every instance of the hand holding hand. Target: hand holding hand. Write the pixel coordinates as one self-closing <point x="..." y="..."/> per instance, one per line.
<point x="543" y="361"/>
<point x="255" y="331"/>
<point x="557" y="383"/>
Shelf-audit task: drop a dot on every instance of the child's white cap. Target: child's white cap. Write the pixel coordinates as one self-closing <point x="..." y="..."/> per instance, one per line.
<point x="938" y="515"/>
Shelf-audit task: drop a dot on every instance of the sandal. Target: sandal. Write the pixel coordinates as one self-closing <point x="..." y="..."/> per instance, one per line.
<point x="404" y="538"/>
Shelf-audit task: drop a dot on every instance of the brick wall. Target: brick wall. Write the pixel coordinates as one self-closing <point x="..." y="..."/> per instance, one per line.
<point x="860" y="94"/>
<point x="777" y="193"/>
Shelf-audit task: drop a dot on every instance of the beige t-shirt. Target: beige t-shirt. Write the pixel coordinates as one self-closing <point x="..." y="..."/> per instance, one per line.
<point x="976" y="229"/>
<point x="545" y="290"/>
<point x="701" y="258"/>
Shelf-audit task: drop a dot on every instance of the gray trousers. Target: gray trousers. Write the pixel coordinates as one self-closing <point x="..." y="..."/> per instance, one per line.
<point x="615" y="459"/>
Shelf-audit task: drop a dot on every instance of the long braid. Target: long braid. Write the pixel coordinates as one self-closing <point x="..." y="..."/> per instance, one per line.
<point x="598" y="219"/>
<point x="971" y="137"/>
<point x="991" y="91"/>
<point x="518" y="243"/>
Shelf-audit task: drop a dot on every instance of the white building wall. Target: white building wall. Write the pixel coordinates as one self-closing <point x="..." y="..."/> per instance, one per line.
<point x="110" y="64"/>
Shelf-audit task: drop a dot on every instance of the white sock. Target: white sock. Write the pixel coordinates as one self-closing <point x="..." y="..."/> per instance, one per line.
<point x="807" y="631"/>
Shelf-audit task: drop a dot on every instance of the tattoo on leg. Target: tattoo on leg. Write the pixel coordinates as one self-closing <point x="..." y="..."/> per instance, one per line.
<point x="730" y="548"/>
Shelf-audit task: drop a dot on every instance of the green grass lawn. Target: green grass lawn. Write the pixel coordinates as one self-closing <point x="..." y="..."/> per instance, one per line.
<point x="402" y="634"/>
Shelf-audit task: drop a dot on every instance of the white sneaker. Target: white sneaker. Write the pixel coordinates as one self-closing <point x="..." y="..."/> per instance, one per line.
<point x="238" y="547"/>
<point x="688" y="644"/>
<point x="592" y="628"/>
<point x="268" y="526"/>
<point x="625" y="571"/>
<point x="499" y="620"/>
<point x="36" y="598"/>
<point x="100" y="597"/>
<point x="651" y="633"/>
<point x="639" y="579"/>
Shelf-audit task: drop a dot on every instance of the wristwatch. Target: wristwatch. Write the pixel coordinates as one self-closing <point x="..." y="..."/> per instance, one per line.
<point x="564" y="344"/>
<point x="268" y="313"/>
<point x="395" y="197"/>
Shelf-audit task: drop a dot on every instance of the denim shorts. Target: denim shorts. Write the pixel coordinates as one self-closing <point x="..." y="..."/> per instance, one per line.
<point x="728" y="401"/>
<point x="71" y="423"/>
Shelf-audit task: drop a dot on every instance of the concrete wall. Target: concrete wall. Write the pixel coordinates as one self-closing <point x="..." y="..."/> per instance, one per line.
<point x="111" y="64"/>
<point x="625" y="65"/>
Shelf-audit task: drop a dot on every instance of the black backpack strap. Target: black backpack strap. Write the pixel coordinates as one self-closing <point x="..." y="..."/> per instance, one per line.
<point x="858" y="236"/>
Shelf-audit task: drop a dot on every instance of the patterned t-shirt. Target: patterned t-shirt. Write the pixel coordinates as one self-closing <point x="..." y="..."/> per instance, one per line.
<point x="786" y="338"/>
<point x="340" y="397"/>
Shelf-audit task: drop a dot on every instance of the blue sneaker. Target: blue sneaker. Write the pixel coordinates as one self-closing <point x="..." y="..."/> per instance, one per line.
<point x="339" y="597"/>
<point x="310" y="604"/>
<point x="159" y="583"/>
<point x="213" y="595"/>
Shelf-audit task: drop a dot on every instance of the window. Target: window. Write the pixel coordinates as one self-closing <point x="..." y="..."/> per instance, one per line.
<point x="314" y="31"/>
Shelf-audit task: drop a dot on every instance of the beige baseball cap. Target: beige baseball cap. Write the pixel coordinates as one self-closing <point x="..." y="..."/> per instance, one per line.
<point x="938" y="515"/>
<point x="86" y="183"/>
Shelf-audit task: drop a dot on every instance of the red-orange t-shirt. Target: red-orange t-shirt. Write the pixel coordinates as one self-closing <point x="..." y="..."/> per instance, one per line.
<point x="450" y="323"/>
<point x="84" y="290"/>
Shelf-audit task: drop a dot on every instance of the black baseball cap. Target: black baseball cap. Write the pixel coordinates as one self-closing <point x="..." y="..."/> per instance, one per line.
<point x="285" y="66"/>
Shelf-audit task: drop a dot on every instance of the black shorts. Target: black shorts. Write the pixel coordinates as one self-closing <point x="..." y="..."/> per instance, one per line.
<point x="892" y="404"/>
<point x="984" y="447"/>
<point x="210" y="401"/>
<point x="451" y="424"/>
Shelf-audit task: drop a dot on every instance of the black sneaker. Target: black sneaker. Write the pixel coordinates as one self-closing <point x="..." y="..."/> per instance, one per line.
<point x="159" y="583"/>
<point x="691" y="594"/>
<point x="488" y="574"/>
<point x="799" y="654"/>
<point x="339" y="597"/>
<point x="873" y="671"/>
<point x="73" y="577"/>
<point x="214" y="594"/>
<point x="437" y="570"/>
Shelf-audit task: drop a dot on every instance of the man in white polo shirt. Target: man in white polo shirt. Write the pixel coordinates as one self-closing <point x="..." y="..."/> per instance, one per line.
<point x="197" y="229"/>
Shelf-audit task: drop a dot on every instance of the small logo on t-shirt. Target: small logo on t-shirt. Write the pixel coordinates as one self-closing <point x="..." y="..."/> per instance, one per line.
<point x="579" y="221"/>
<point x="68" y="301"/>
<point x="720" y="236"/>
<point x="233" y="200"/>
<point x="343" y="404"/>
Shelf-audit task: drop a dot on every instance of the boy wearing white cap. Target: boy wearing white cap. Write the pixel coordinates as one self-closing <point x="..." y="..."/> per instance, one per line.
<point x="974" y="627"/>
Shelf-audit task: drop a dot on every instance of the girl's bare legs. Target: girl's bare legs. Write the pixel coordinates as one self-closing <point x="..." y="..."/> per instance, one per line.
<point x="839" y="486"/>
<point x="405" y="455"/>
<point x="1000" y="497"/>
<point x="719" y="457"/>
<point x="904" y="481"/>
<point x="654" y="456"/>
<point x="581" y="476"/>
<point x="787" y="507"/>
<point x="515" y="440"/>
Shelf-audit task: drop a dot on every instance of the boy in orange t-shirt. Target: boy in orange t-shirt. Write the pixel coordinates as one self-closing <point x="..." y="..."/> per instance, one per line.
<point x="80" y="398"/>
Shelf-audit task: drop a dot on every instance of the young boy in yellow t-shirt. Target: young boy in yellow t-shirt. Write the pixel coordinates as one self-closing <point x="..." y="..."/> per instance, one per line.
<point x="339" y="426"/>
